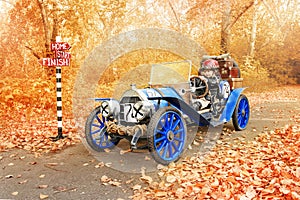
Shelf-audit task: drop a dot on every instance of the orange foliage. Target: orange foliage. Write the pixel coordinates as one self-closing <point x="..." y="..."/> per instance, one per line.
<point x="28" y="116"/>
<point x="268" y="168"/>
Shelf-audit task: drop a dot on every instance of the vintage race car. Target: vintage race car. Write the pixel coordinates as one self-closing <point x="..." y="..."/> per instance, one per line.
<point x="161" y="113"/>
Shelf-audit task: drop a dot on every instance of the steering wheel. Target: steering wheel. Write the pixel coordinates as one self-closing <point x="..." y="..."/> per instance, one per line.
<point x="199" y="87"/>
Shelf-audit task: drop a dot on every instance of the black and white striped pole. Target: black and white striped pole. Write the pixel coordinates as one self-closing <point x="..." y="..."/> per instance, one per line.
<point x="62" y="58"/>
<point x="59" y="103"/>
<point x="58" y="99"/>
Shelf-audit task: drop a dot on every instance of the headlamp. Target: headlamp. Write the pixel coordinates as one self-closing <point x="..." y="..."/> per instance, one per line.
<point x="105" y="108"/>
<point x="141" y="110"/>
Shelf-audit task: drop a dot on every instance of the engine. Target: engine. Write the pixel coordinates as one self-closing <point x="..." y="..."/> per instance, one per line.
<point x="134" y="106"/>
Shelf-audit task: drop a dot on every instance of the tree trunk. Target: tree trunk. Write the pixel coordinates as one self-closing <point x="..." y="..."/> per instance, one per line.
<point x="46" y="27"/>
<point x="49" y="37"/>
<point x="227" y="23"/>
<point x="225" y="27"/>
<point x="253" y="31"/>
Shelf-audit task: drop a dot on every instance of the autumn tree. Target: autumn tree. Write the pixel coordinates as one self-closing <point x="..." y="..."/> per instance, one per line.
<point x="32" y="25"/>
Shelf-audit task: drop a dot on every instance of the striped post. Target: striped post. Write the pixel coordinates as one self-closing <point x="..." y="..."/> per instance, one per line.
<point x="60" y="59"/>
<point x="58" y="100"/>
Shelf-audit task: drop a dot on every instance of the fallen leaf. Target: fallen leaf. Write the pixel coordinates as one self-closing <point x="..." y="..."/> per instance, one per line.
<point x="122" y="152"/>
<point x="22" y="182"/>
<point x="107" y="150"/>
<point x="284" y="190"/>
<point x="251" y="193"/>
<point x="60" y="188"/>
<point x="136" y="187"/>
<point x="215" y="183"/>
<point x="161" y="174"/>
<point x="161" y="194"/>
<point x="171" y="179"/>
<point x="15" y="193"/>
<point x="108" y="164"/>
<point x="9" y="176"/>
<point x="286" y="181"/>
<point x="42" y="186"/>
<point x="52" y="164"/>
<point x="205" y="190"/>
<point x="43" y="196"/>
<point x="297" y="174"/>
<point x="268" y="191"/>
<point x="129" y="181"/>
<point x="115" y="183"/>
<point x="160" y="167"/>
<point x="101" y="164"/>
<point x="147" y="158"/>
<point x="104" y="179"/>
<point x="145" y="178"/>
<point x="42" y="176"/>
<point x="295" y="195"/>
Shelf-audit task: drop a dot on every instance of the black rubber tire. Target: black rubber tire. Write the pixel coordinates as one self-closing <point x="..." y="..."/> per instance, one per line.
<point x="94" y="117"/>
<point x="241" y="114"/>
<point x="151" y="135"/>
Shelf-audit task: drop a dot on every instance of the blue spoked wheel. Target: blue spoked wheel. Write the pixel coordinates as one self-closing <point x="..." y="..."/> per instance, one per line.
<point x="95" y="132"/>
<point x="166" y="135"/>
<point x="241" y="113"/>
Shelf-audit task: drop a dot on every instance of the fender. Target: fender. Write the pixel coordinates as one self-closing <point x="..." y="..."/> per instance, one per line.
<point x="230" y="105"/>
<point x="181" y="105"/>
<point x="103" y="99"/>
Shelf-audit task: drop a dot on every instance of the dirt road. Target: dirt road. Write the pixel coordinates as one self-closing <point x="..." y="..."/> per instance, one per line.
<point x="76" y="174"/>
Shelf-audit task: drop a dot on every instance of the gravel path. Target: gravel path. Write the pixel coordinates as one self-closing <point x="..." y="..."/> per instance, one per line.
<point x="74" y="173"/>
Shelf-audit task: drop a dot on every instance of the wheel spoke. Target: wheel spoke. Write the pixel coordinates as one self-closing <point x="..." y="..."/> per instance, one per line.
<point x="101" y="122"/>
<point x="96" y="125"/>
<point x="107" y="140"/>
<point x="176" y="124"/>
<point x="101" y="140"/>
<point x="241" y="106"/>
<point x="161" y="146"/>
<point x="160" y="139"/>
<point x="96" y="131"/>
<point x="240" y="118"/>
<point x="166" y="125"/>
<point x="177" y="131"/>
<point x="165" y="150"/>
<point x="171" y="121"/>
<point x="170" y="148"/>
<point x="179" y="139"/>
<point x="162" y="124"/>
<point x="161" y="132"/>
<point x="175" y="146"/>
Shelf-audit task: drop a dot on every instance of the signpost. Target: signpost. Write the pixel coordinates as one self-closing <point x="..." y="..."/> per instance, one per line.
<point x="62" y="58"/>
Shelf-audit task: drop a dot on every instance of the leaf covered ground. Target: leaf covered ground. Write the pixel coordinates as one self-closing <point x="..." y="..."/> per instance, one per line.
<point x="28" y="117"/>
<point x="267" y="167"/>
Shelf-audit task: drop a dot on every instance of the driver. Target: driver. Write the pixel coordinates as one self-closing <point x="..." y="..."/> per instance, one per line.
<point x="210" y="70"/>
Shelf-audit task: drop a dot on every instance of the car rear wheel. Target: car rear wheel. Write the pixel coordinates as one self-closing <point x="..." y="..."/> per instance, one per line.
<point x="241" y="113"/>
